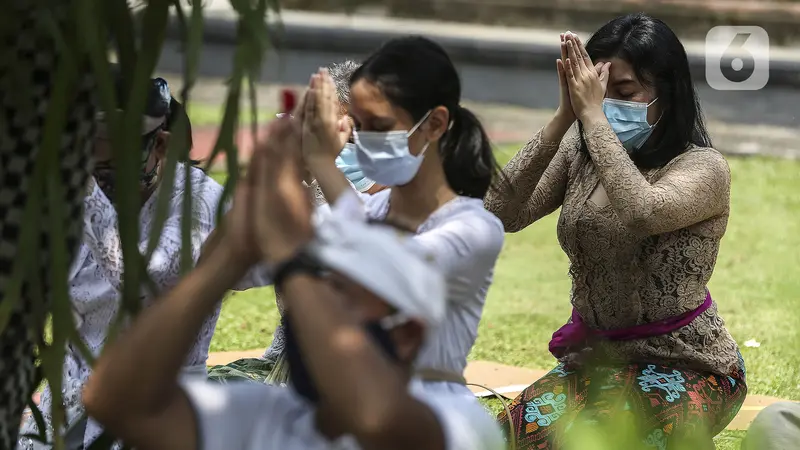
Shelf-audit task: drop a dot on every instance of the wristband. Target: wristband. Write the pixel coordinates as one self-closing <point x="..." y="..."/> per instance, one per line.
<point x="303" y="262"/>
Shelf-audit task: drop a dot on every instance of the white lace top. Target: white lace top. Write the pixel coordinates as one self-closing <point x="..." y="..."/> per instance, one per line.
<point x="96" y="279"/>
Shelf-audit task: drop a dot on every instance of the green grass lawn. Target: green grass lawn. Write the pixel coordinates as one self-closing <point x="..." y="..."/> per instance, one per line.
<point x="756" y="284"/>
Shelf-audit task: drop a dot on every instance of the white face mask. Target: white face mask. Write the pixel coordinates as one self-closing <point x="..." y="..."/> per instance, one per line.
<point x="384" y="156"/>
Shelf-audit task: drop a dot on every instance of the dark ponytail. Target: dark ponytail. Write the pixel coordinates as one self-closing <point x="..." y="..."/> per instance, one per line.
<point x="416" y="74"/>
<point x="467" y="155"/>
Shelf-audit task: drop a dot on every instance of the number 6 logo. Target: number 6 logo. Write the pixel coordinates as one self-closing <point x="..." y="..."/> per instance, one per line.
<point x="737" y="58"/>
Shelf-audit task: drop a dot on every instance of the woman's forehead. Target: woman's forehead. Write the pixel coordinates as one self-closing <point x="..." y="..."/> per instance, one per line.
<point x="369" y="105"/>
<point x="621" y="73"/>
<point x="366" y="99"/>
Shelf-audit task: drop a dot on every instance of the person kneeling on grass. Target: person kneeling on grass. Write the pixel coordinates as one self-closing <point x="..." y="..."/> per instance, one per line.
<point x="368" y="299"/>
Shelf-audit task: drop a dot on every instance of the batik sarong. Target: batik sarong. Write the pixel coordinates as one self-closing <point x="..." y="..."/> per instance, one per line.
<point x="648" y="406"/>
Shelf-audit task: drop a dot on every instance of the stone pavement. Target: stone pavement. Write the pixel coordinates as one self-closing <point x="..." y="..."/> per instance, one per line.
<point x="506" y="125"/>
<point x="509" y="381"/>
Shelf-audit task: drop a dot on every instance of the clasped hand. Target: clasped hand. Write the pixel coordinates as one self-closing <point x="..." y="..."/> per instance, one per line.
<point x="271" y="215"/>
<point x="324" y="131"/>
<point x="585" y="83"/>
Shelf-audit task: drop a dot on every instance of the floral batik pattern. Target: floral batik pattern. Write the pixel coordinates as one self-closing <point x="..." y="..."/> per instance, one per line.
<point x="663" y="404"/>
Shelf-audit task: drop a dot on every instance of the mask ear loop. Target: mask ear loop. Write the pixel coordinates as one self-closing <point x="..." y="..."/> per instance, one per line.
<point x="415" y="128"/>
<point x="657" y="120"/>
<point x="419" y="124"/>
<point x="660" y="115"/>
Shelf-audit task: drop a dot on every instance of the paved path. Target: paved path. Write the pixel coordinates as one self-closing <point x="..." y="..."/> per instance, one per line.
<point x="510" y="381"/>
<point x="508" y="124"/>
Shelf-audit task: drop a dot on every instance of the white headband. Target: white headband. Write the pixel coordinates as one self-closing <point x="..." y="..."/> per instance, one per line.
<point x="386" y="262"/>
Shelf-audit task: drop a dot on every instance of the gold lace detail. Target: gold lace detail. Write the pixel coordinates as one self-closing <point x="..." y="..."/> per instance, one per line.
<point x="645" y="256"/>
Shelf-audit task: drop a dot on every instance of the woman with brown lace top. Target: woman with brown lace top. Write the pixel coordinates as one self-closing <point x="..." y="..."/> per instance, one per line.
<point x="644" y="203"/>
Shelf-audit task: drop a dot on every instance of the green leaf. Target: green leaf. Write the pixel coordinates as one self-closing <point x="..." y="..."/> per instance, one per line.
<point x="192" y="39"/>
<point x="118" y="16"/>
<point x="127" y="156"/>
<point x="187" y="222"/>
<point x="53" y="357"/>
<point x="97" y="24"/>
<point x="38" y="418"/>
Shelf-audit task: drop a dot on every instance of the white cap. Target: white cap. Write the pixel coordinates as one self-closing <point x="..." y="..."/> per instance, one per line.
<point x="385" y="261"/>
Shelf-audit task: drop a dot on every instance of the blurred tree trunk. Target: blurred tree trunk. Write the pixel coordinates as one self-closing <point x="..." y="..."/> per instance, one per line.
<point x="30" y="57"/>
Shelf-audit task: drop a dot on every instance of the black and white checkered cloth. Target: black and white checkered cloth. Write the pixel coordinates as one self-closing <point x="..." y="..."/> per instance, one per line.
<point x="28" y="62"/>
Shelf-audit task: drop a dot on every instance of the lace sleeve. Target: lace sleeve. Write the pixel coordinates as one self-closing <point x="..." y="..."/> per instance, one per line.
<point x="316" y="194"/>
<point x="101" y="236"/>
<point x="694" y="188"/>
<point x="537" y="177"/>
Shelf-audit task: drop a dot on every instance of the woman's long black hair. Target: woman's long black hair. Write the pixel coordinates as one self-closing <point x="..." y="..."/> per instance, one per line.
<point x="417" y="75"/>
<point x="659" y="61"/>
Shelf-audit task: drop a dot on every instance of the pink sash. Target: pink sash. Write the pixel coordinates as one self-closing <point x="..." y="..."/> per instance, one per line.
<point x="575" y="333"/>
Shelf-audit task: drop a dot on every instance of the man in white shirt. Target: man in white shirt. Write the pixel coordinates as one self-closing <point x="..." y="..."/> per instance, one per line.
<point x="777" y="427"/>
<point x="366" y="301"/>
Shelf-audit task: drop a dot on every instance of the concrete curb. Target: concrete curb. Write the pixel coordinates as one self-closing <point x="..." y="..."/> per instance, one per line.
<point x="481" y="45"/>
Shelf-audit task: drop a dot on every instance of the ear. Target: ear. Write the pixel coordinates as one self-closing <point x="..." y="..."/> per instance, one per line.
<point x="162" y="143"/>
<point x="408" y="339"/>
<point x="437" y="123"/>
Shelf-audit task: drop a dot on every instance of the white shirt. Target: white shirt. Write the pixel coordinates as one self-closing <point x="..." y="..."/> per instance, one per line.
<point x="249" y="416"/>
<point x="95" y="279"/>
<point x="465" y="240"/>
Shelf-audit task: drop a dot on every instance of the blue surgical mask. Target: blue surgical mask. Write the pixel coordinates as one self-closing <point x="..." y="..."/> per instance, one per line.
<point x="629" y="122"/>
<point x="347" y="162"/>
<point x="385" y="157"/>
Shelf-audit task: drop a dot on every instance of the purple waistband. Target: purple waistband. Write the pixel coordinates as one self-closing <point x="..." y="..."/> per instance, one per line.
<point x="575" y="333"/>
